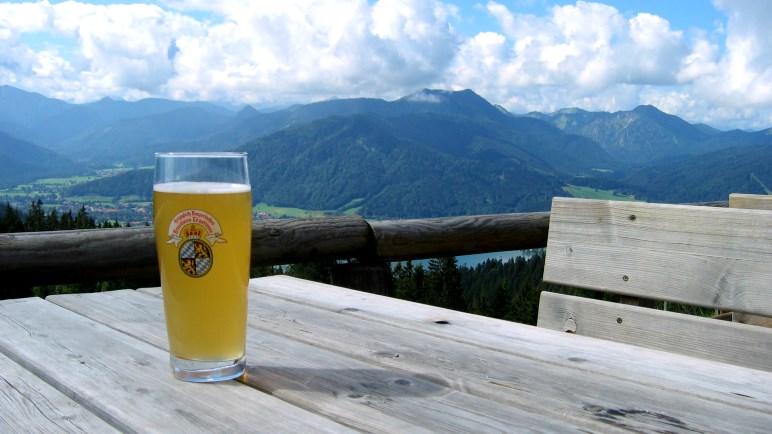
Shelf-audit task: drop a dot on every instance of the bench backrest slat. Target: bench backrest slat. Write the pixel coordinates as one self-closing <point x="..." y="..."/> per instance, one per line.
<point x="750" y="201"/>
<point x="707" y="338"/>
<point x="703" y="256"/>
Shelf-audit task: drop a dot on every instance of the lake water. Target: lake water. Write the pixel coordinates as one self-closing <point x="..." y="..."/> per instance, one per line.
<point x="472" y="261"/>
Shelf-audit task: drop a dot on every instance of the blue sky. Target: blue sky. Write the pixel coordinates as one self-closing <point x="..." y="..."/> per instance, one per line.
<point x="682" y="14"/>
<point x="704" y="60"/>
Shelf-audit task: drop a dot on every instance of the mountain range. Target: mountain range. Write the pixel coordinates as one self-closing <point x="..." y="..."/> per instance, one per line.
<point x="430" y="153"/>
<point x="646" y="134"/>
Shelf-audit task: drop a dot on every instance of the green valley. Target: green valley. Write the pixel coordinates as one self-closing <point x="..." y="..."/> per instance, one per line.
<point x="595" y="193"/>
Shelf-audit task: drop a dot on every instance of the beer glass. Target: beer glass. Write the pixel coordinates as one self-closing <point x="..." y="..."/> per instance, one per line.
<point x="202" y="212"/>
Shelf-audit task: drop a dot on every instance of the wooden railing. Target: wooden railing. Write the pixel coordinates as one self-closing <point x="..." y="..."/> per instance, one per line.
<point x="61" y="257"/>
<point x="45" y="258"/>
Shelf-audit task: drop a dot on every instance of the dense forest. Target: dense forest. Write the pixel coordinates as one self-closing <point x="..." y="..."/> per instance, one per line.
<point x="137" y="182"/>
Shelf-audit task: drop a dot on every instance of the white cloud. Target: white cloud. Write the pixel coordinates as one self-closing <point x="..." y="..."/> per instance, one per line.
<point x="588" y="45"/>
<point x="586" y="54"/>
<point x="424" y="97"/>
<point x="746" y="70"/>
<point x="293" y="50"/>
<point x="592" y="56"/>
<point x="298" y="50"/>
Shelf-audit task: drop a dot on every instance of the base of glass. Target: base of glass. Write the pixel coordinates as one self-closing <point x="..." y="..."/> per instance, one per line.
<point x="207" y="371"/>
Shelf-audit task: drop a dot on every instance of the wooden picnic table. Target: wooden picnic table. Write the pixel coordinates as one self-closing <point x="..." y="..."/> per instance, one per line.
<point x="327" y="359"/>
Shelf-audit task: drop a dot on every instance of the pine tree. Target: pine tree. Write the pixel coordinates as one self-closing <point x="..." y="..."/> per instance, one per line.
<point x="83" y="220"/>
<point x="66" y="222"/>
<point x="10" y="221"/>
<point x="404" y="281"/>
<point x="500" y="306"/>
<point x="35" y="221"/>
<point x="52" y="221"/>
<point x="445" y="284"/>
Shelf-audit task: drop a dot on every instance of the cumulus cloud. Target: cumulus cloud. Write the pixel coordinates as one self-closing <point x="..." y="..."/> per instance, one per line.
<point x="583" y="48"/>
<point x="591" y="56"/>
<point x="304" y="50"/>
<point x="747" y="64"/>
<point x="586" y="54"/>
<point x="293" y="50"/>
<point x="730" y="87"/>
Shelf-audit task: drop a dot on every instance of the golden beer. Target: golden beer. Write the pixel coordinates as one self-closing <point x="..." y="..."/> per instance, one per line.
<point x="203" y="233"/>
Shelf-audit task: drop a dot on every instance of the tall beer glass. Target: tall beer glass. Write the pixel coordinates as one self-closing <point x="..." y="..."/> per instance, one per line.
<point x="202" y="209"/>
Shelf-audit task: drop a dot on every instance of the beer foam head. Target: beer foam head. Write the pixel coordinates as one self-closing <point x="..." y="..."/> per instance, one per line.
<point x="201" y="187"/>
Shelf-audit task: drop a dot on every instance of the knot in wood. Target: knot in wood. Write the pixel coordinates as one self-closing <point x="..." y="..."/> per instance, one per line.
<point x="569" y="325"/>
<point x="274" y="232"/>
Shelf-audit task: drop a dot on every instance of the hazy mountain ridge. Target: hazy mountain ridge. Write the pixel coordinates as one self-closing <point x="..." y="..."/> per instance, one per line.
<point x="642" y="135"/>
<point x="51" y="122"/>
<point x="705" y="178"/>
<point x="430" y="153"/>
<point x="122" y="140"/>
<point x="646" y="134"/>
<point x="22" y="161"/>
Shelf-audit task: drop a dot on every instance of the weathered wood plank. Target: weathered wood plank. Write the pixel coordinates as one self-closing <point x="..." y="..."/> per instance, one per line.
<point x="750" y="201"/>
<point x="722" y="341"/>
<point x="660" y="369"/>
<point x="31" y="405"/>
<point x="712" y="257"/>
<point x="343" y="334"/>
<point x="353" y="392"/>
<point x="756" y="320"/>
<point x="716" y="382"/>
<point x="127" y="382"/>
<point x="514" y="377"/>
<point x="452" y="236"/>
<point x="569" y="394"/>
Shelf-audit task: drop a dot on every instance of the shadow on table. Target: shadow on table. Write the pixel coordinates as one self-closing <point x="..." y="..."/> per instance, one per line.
<point x="350" y="383"/>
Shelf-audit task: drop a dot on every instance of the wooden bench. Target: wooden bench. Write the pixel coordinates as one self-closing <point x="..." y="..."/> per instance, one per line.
<point x="750" y="201"/>
<point x="701" y="256"/>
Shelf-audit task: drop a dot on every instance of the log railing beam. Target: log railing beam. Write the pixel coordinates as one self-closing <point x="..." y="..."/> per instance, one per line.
<point x="61" y="257"/>
<point x="44" y="258"/>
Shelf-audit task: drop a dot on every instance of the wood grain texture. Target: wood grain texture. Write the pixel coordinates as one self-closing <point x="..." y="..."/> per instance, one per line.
<point x="452" y="236"/>
<point x="722" y="341"/>
<point x="58" y="257"/>
<point x="327" y="381"/>
<point x="29" y="404"/>
<point x="750" y="201"/>
<point x="287" y="241"/>
<point x="382" y="364"/>
<point x="712" y="257"/>
<point x="661" y="370"/>
<point x="127" y="382"/>
<point x="508" y="374"/>
<point x="757" y="320"/>
<point x="297" y="343"/>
